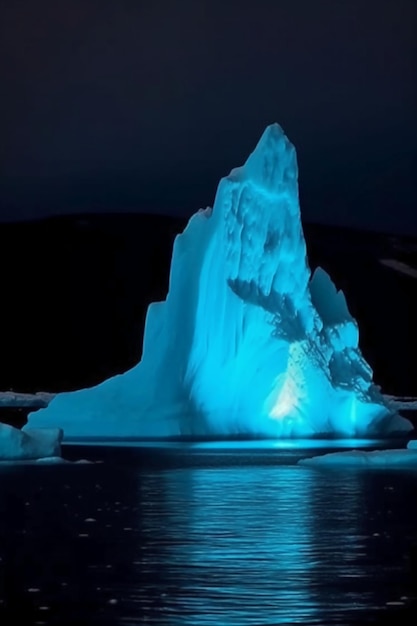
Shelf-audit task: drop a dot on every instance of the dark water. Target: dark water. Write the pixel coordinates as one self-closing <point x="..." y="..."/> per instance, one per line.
<point x="204" y="536"/>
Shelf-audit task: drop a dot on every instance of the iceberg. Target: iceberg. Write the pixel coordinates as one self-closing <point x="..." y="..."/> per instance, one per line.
<point x="247" y="342"/>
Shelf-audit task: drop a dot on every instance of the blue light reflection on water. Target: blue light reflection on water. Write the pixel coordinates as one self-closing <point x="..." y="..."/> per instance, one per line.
<point x="249" y="555"/>
<point x="288" y="444"/>
<point x="242" y="445"/>
<point x="176" y="541"/>
<point x="261" y="551"/>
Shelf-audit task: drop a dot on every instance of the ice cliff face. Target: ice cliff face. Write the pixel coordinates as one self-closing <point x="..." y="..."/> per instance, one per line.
<point x="246" y="341"/>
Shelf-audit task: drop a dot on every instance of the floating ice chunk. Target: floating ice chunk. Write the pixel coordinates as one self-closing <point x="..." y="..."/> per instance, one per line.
<point x="29" y="443"/>
<point x="362" y="458"/>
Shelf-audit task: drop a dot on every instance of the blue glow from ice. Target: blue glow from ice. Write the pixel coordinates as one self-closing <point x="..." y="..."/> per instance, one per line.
<point x="247" y="342"/>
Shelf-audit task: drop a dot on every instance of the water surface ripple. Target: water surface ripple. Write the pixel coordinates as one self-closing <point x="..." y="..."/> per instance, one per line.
<point x="201" y="537"/>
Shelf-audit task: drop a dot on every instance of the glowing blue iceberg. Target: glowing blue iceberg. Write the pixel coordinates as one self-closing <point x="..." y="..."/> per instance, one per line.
<point x="246" y="342"/>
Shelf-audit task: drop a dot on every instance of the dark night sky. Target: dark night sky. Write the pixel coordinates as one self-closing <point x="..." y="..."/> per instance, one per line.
<point x="143" y="105"/>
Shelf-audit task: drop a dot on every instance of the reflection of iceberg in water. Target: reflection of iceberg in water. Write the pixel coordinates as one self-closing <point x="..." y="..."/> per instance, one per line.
<point x="257" y="548"/>
<point x="285" y="555"/>
<point x="246" y="341"/>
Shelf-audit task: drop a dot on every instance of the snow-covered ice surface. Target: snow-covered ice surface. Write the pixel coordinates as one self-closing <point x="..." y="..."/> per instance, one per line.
<point x="401" y="403"/>
<point x="33" y="400"/>
<point x="48" y="460"/>
<point x="29" y="443"/>
<point x="400" y="266"/>
<point x="362" y="458"/>
<point x="246" y="342"/>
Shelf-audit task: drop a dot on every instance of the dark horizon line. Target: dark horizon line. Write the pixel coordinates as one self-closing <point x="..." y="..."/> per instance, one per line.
<point x="85" y="215"/>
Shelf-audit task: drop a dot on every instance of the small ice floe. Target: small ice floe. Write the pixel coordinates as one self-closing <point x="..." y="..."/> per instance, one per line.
<point x="406" y="457"/>
<point x="29" y="443"/>
<point x="59" y="460"/>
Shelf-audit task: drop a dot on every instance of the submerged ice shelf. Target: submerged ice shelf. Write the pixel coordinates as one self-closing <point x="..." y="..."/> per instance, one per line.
<point x="246" y="342"/>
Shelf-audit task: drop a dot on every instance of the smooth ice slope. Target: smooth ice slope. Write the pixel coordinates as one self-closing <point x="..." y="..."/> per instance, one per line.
<point x="246" y="342"/>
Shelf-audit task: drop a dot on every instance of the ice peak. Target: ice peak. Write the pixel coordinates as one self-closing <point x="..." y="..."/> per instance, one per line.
<point x="273" y="163"/>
